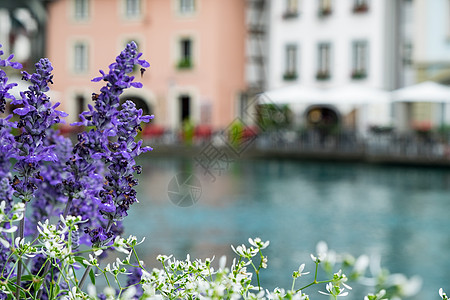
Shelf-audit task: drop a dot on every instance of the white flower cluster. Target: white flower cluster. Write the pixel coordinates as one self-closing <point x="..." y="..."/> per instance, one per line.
<point x="15" y="215"/>
<point x="53" y="237"/>
<point x="197" y="279"/>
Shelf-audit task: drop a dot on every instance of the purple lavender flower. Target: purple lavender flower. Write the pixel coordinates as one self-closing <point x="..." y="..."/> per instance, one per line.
<point x="118" y="194"/>
<point x="97" y="144"/>
<point x="50" y="196"/>
<point x="6" y="138"/>
<point x="4" y="85"/>
<point x="37" y="115"/>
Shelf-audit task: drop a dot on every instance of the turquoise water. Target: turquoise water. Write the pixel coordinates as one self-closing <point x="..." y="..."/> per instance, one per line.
<point x="400" y="213"/>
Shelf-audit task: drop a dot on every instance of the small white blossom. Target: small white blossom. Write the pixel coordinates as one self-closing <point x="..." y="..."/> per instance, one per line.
<point x="163" y="258"/>
<point x="120" y="244"/>
<point x="264" y="262"/>
<point x="361" y="265"/>
<point x="92" y="261"/>
<point x="243" y="251"/>
<point x="258" y="243"/>
<point x="378" y="296"/>
<point x="12" y="229"/>
<point x="334" y="290"/>
<point x="18" y="210"/>
<point x="132" y="241"/>
<point x="442" y="294"/>
<point x="75" y="294"/>
<point x="25" y="249"/>
<point x="222" y="262"/>
<point x="300" y="272"/>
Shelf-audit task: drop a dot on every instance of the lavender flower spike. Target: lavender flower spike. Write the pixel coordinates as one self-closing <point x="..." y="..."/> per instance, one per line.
<point x="117" y="193"/>
<point x="37" y="115"/>
<point x="4" y="86"/>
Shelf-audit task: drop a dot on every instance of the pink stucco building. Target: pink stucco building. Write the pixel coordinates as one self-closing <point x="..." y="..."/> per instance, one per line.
<point x="196" y="49"/>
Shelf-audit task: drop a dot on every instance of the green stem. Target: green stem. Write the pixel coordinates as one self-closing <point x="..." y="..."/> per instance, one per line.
<point x="312" y="283"/>
<point x="19" y="265"/>
<point x="317" y="267"/>
<point x="88" y="269"/>
<point x="65" y="213"/>
<point x="257" y="274"/>
<point x="137" y="258"/>
<point x="83" y="279"/>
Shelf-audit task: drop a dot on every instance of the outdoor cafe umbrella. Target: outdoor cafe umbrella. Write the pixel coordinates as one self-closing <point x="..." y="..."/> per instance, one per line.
<point x="428" y="91"/>
<point x="356" y="94"/>
<point x="293" y="94"/>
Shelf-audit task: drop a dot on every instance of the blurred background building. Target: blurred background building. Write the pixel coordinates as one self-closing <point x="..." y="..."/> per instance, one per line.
<point x="196" y="50"/>
<point x="329" y="63"/>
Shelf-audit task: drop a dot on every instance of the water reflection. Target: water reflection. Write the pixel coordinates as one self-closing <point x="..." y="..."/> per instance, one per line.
<point x="400" y="213"/>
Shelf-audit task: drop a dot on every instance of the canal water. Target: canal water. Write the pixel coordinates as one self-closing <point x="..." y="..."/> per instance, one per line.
<point x="398" y="213"/>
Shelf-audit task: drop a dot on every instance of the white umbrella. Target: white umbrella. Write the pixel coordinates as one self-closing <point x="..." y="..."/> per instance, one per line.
<point x="427" y="91"/>
<point x="356" y="94"/>
<point x="294" y="94"/>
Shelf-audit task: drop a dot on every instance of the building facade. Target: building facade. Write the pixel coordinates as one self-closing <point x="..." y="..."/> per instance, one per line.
<point x="431" y="39"/>
<point x="330" y="43"/>
<point x="196" y="49"/>
<point x="334" y="43"/>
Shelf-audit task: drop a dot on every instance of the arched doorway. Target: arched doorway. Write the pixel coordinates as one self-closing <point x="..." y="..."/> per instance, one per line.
<point x="323" y="124"/>
<point x="324" y="121"/>
<point x="322" y="117"/>
<point x="140" y="104"/>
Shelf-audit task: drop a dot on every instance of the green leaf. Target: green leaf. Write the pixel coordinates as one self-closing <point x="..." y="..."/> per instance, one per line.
<point x="80" y="259"/>
<point x="27" y="278"/>
<point x="12" y="288"/>
<point x="92" y="276"/>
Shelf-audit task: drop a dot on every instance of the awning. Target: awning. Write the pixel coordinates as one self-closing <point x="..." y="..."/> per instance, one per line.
<point x="428" y="91"/>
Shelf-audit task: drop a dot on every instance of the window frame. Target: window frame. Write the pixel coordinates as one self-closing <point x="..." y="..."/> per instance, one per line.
<point x="360" y="59"/>
<point x="291" y="61"/>
<point x="80" y="59"/>
<point x="325" y="8"/>
<point x="185" y="53"/>
<point x="291" y="9"/>
<point x="186" y="7"/>
<point x="135" y="12"/>
<point x="360" y="6"/>
<point x="81" y="10"/>
<point x="323" y="60"/>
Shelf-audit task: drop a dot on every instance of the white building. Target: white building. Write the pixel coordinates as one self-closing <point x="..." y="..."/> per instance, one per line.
<point x="329" y="44"/>
<point x="430" y="60"/>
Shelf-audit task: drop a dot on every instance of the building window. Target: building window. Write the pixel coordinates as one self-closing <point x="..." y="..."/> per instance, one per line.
<point x="132" y="8"/>
<point x="81" y="9"/>
<point x="290" y="72"/>
<point x="408" y="53"/>
<point x="291" y="9"/>
<point x="186" y="6"/>
<point x="185" y="108"/>
<point x="359" y="61"/>
<point x="324" y="8"/>
<point x="360" y="6"/>
<point x="185" y="60"/>
<point x="323" y="66"/>
<point x="80" y="58"/>
<point x="80" y="103"/>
